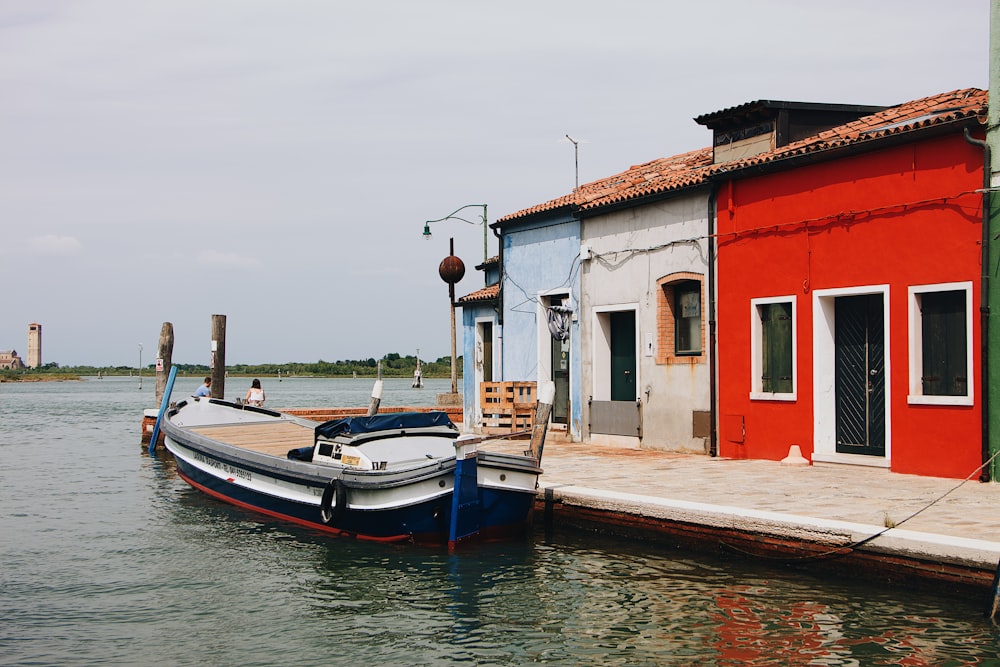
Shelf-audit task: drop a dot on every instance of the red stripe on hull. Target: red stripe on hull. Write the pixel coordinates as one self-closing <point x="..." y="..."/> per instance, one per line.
<point x="317" y="526"/>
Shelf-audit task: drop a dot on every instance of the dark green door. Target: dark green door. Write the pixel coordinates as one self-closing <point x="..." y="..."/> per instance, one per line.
<point x="623" y="356"/>
<point x="487" y="338"/>
<point x="860" y="370"/>
<point x="560" y="378"/>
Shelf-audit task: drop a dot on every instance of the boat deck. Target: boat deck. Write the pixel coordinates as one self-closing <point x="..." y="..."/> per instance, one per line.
<point x="273" y="438"/>
<point x="277" y="437"/>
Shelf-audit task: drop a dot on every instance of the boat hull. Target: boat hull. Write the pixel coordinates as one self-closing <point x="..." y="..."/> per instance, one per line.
<point x="412" y="505"/>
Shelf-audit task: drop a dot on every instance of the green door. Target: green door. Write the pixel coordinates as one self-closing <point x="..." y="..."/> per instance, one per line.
<point x="560" y="378"/>
<point x="487" y="338"/>
<point x="860" y="375"/>
<point x="623" y="356"/>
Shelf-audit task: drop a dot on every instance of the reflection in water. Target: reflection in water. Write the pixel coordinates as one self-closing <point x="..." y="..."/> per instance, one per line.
<point x="109" y="558"/>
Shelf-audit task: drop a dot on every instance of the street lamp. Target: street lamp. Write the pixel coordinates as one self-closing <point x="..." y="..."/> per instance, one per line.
<point x="140" y="366"/>
<point x="452" y="216"/>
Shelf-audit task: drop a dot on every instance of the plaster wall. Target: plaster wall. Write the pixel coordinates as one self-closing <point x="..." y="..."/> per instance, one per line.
<point x="881" y="223"/>
<point x="540" y="260"/>
<point x="631" y="250"/>
<point x="471" y="371"/>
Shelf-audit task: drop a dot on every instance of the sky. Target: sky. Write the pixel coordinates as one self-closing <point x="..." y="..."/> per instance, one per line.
<point x="275" y="162"/>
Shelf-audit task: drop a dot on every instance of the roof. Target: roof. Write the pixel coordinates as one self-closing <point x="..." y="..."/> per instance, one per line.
<point x="768" y="108"/>
<point x="937" y="111"/>
<point x="678" y="170"/>
<point x="666" y="175"/>
<point x="491" y="262"/>
<point x="489" y="293"/>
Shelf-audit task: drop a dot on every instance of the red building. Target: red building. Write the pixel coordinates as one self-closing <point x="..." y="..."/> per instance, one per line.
<point x="848" y="289"/>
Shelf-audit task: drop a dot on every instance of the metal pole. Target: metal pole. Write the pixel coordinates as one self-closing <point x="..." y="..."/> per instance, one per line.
<point x="485" y="257"/>
<point x="140" y="366"/>
<point x="451" y="306"/>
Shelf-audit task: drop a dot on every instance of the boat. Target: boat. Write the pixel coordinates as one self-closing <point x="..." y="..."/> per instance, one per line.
<point x="390" y="476"/>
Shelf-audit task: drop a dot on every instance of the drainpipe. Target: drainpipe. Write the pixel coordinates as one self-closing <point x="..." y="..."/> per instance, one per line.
<point x="500" y="280"/>
<point x="713" y="432"/>
<point x="984" y="308"/>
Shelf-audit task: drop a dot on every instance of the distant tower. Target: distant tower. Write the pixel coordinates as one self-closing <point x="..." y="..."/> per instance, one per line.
<point x="34" y="345"/>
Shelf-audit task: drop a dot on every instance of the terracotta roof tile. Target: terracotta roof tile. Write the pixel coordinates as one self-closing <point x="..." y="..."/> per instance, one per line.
<point x="663" y="173"/>
<point x="695" y="167"/>
<point x="489" y="293"/>
<point x="970" y="103"/>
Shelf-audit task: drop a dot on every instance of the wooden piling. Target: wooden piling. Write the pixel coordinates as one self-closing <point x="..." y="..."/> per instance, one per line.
<point x="546" y="396"/>
<point x="993" y="613"/>
<point x="376" y="399"/>
<point x="218" y="362"/>
<point x="164" y="359"/>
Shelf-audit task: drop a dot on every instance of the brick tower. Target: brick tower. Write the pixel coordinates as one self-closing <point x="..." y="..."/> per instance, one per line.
<point x="34" y="345"/>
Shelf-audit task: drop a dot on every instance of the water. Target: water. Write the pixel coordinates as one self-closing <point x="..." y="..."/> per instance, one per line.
<point x="107" y="557"/>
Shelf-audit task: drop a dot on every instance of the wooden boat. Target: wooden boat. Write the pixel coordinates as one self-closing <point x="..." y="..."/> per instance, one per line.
<point x="405" y="476"/>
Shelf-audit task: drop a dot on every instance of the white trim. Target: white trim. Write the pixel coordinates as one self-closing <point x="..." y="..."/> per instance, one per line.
<point x="478" y="369"/>
<point x="601" y="349"/>
<point x="915" y="352"/>
<point x="850" y="459"/>
<point x="824" y="376"/>
<point x="756" y="353"/>
<point x="543" y="342"/>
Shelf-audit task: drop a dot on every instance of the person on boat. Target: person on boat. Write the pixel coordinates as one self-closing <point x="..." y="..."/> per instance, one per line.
<point x="255" y="395"/>
<point x="205" y="390"/>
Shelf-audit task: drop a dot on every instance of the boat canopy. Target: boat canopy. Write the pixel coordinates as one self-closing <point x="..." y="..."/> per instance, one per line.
<point x="389" y="421"/>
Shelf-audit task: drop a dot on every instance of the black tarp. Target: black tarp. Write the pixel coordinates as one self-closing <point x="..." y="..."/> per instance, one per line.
<point x="388" y="421"/>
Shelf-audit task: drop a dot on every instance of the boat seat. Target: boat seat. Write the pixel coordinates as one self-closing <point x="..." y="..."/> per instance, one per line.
<point x="301" y="454"/>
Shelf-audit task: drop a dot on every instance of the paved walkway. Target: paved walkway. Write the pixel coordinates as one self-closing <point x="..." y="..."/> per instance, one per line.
<point x="939" y="520"/>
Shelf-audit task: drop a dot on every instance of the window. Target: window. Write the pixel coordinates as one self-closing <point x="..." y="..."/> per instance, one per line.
<point x="940" y="341"/>
<point x="773" y="341"/>
<point x="680" y="327"/>
<point x="687" y="318"/>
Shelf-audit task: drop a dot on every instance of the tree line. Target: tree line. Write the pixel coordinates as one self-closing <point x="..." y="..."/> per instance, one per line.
<point x="393" y="365"/>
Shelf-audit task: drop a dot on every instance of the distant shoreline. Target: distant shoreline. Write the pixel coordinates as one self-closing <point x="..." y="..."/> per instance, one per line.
<point x="57" y="377"/>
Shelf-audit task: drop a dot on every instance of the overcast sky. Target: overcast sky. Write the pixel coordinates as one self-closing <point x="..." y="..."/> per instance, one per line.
<point x="164" y="161"/>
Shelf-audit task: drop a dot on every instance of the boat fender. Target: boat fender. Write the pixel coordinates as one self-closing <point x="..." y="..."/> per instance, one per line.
<point x="329" y="512"/>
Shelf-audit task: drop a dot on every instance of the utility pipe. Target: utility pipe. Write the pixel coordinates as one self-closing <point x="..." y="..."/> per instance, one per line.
<point x="984" y="307"/>
<point x="713" y="431"/>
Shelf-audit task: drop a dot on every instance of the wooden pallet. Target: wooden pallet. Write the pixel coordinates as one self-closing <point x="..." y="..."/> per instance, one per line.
<point x="507" y="406"/>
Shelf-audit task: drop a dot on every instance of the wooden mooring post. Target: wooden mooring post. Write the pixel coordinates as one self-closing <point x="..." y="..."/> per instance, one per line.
<point x="994" y="607"/>
<point x="164" y="362"/>
<point x="218" y="363"/>
<point x="164" y="359"/>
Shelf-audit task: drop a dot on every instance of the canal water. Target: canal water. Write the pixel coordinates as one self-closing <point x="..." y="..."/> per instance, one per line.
<point x="108" y="558"/>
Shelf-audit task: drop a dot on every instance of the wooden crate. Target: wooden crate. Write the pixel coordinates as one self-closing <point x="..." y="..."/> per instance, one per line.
<point x="507" y="406"/>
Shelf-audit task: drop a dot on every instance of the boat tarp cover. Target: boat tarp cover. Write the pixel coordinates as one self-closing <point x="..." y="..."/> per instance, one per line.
<point x="388" y="421"/>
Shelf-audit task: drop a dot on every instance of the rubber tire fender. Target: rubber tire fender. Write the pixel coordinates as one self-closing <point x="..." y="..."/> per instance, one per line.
<point x="330" y="513"/>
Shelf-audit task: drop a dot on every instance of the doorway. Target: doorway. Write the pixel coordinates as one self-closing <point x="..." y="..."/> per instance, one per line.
<point x="859" y="368"/>
<point x="623" y="356"/>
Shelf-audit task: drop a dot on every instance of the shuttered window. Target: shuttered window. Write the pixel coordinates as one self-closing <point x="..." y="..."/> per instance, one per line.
<point x="776" y="347"/>
<point x="943" y="336"/>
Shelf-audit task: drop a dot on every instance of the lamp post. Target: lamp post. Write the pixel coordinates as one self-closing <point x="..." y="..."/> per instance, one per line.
<point x="451" y="271"/>
<point x="140" y="366"/>
<point x="452" y="216"/>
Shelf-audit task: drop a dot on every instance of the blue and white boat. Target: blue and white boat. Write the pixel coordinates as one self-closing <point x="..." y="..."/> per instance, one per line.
<point x="393" y="477"/>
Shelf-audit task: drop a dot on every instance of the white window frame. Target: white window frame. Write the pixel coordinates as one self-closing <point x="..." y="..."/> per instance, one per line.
<point x="757" y="392"/>
<point x="601" y="349"/>
<point x="916" y="345"/>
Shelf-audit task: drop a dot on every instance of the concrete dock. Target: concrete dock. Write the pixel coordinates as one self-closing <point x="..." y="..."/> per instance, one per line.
<point x="833" y="518"/>
<point x="852" y="520"/>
